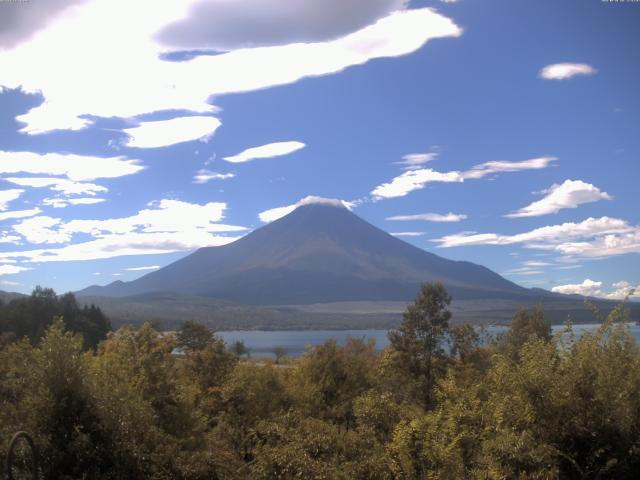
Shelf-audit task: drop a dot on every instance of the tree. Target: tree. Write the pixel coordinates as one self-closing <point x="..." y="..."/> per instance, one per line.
<point x="279" y="352"/>
<point x="239" y="348"/>
<point x="526" y="325"/>
<point x="193" y="336"/>
<point x="417" y="343"/>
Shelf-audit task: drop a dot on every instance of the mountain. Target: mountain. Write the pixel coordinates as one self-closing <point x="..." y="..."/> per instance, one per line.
<point x="319" y="253"/>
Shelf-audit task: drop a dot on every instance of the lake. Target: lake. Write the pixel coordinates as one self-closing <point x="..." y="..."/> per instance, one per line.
<point x="295" y="342"/>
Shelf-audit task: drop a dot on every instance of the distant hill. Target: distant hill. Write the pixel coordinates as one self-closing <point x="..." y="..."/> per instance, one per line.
<point x="6" y="297"/>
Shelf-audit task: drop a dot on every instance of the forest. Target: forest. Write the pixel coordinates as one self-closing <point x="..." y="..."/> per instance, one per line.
<point x="442" y="401"/>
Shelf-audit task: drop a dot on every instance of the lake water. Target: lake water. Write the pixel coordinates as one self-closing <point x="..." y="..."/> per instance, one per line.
<point x="261" y="343"/>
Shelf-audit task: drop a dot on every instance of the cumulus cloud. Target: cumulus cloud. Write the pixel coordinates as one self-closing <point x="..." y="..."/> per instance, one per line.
<point x="279" y="212"/>
<point x="553" y="237"/>
<point x="204" y="176"/>
<point x="431" y="217"/>
<point x="168" y="226"/>
<point x="8" y="196"/>
<point x="622" y="290"/>
<point x="564" y="71"/>
<point x="270" y="150"/>
<point x="100" y="84"/>
<point x="416" y="179"/>
<point x="74" y="167"/>
<point x="588" y="288"/>
<point x="232" y="24"/>
<point x="164" y="216"/>
<point x="570" y="194"/>
<point x="163" y="133"/>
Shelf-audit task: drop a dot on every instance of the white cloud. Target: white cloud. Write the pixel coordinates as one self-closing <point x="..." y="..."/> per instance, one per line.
<point x="228" y="25"/>
<point x="499" y="166"/>
<point x="407" y="234"/>
<point x="416" y="179"/>
<point x="141" y="269"/>
<point x="524" y="271"/>
<point x="564" y="71"/>
<point x="536" y="263"/>
<point x="169" y="226"/>
<point x="553" y="237"/>
<point x="93" y="76"/>
<point x="65" y="202"/>
<point x="414" y="160"/>
<point x="12" y="269"/>
<point x="204" y="176"/>
<point x="279" y="212"/>
<point x="111" y="246"/>
<point x="20" y="19"/>
<point x="270" y="150"/>
<point x="622" y="290"/>
<point x="569" y="194"/>
<point x="67" y="187"/>
<point x="78" y="168"/>
<point x="8" y="196"/>
<point x="588" y="288"/>
<point x="165" y="216"/>
<point x="431" y="217"/>
<point x="413" y="180"/>
<point x="19" y="214"/>
<point x="163" y="133"/>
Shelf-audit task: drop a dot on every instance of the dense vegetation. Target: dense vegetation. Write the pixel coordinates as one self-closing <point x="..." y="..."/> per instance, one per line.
<point x="31" y="317"/>
<point x="438" y="403"/>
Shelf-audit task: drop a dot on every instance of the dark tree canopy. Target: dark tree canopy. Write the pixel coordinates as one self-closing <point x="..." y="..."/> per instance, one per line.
<point x="31" y="317"/>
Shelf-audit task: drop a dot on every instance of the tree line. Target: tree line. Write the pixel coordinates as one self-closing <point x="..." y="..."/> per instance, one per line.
<point x="439" y="402"/>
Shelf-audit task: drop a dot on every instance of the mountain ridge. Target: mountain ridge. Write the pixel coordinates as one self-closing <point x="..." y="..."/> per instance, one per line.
<point x="318" y="253"/>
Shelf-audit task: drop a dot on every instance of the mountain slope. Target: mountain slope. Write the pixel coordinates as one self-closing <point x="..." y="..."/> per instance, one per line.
<point x="316" y="254"/>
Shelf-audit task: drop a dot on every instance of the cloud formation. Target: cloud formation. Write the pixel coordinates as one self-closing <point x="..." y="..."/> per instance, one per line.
<point x="430" y="217"/>
<point x="229" y="25"/>
<point x="564" y="71"/>
<point x="569" y="194"/>
<point x="204" y="176"/>
<point x="100" y="85"/>
<point x="269" y="150"/>
<point x="414" y="160"/>
<point x="416" y="179"/>
<point x="591" y="233"/>
<point x="74" y="167"/>
<point x="163" y="133"/>
<point x="8" y="196"/>
<point x="167" y="226"/>
<point x="279" y="212"/>
<point x="19" y="20"/>
<point x="588" y="288"/>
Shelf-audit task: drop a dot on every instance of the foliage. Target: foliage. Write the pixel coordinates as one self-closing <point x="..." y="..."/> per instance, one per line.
<point x="528" y="405"/>
<point x="31" y="316"/>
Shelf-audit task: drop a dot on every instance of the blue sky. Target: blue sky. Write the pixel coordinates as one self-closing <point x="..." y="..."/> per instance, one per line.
<point x="505" y="133"/>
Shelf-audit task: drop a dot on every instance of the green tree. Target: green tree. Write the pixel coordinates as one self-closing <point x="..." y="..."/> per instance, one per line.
<point x="417" y="345"/>
<point x="193" y="336"/>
